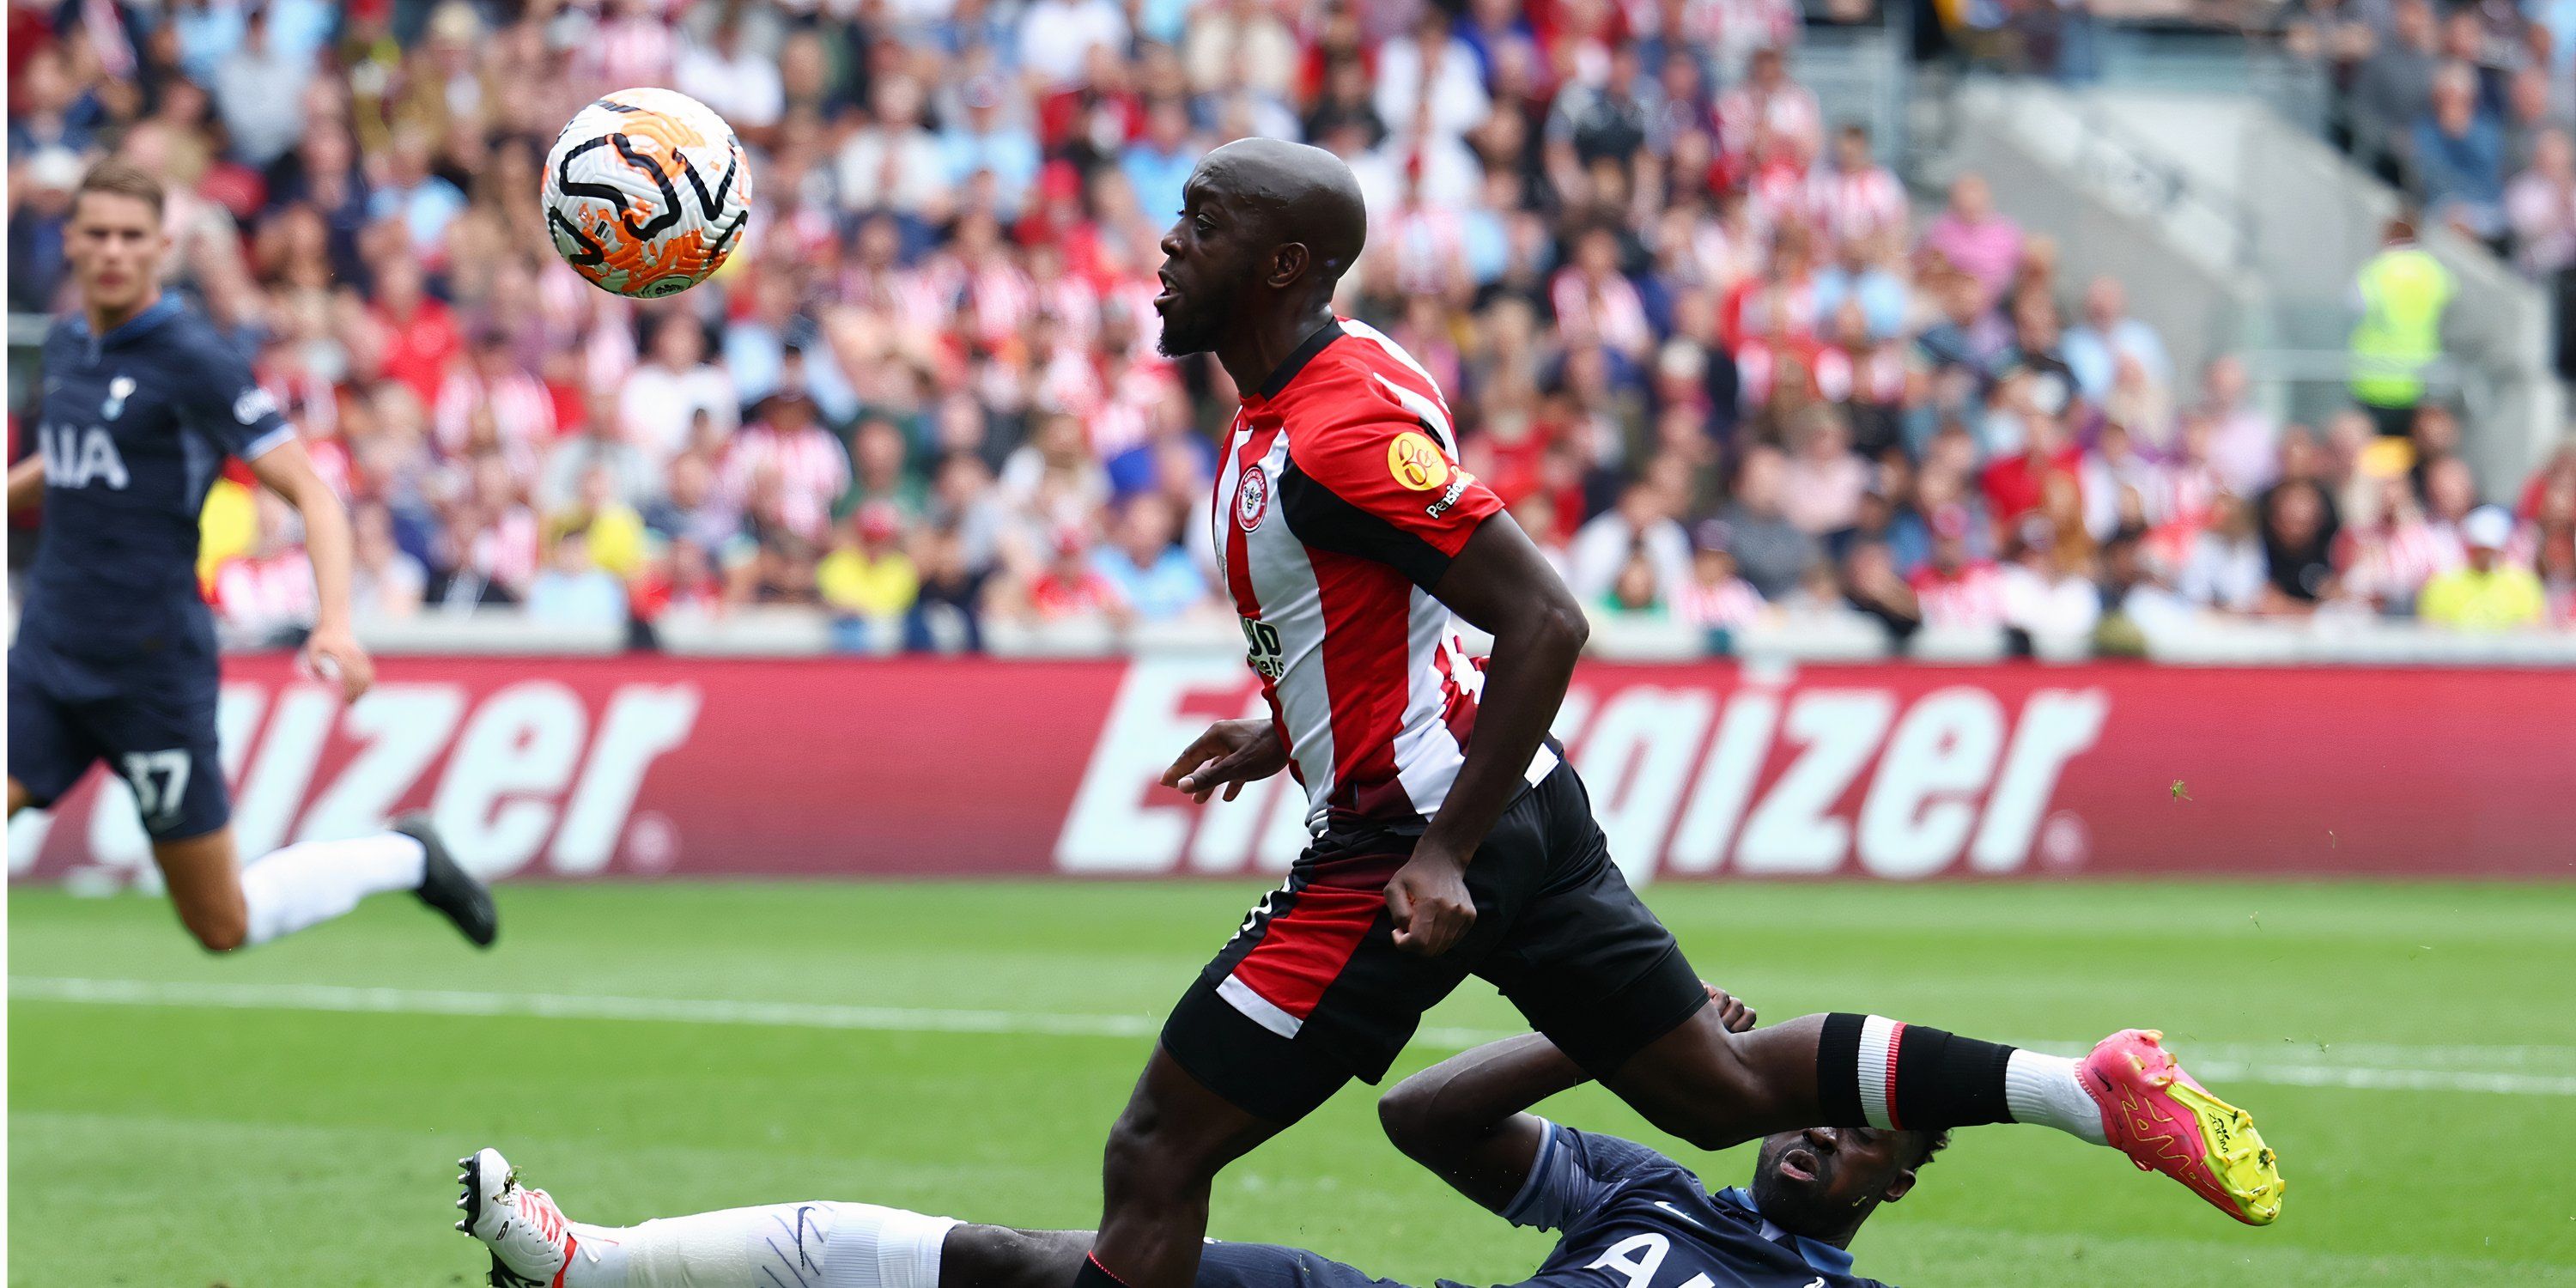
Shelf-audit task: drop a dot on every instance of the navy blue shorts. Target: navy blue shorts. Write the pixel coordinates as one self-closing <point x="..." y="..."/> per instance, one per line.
<point x="153" y="722"/>
<point x="1268" y="1265"/>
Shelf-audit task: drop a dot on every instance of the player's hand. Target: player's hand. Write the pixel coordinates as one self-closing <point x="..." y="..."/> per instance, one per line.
<point x="1230" y="754"/>
<point x="333" y="655"/>
<point x="1731" y="1010"/>
<point x="1428" y="900"/>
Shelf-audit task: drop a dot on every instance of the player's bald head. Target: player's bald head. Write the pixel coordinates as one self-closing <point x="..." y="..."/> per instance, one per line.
<point x="1299" y="194"/>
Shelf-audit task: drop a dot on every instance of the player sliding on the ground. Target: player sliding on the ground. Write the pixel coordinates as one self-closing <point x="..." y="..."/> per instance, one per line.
<point x="1449" y="836"/>
<point x="1620" y="1207"/>
<point x="115" y="657"/>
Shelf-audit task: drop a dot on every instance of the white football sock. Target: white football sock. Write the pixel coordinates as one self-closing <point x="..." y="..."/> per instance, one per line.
<point x="317" y="880"/>
<point x="797" y="1245"/>
<point x="2046" y="1090"/>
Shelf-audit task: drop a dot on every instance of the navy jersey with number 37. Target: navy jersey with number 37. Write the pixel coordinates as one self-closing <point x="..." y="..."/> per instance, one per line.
<point x="115" y="656"/>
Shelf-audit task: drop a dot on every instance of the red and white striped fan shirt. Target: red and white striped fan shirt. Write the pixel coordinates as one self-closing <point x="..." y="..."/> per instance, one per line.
<point x="1339" y="503"/>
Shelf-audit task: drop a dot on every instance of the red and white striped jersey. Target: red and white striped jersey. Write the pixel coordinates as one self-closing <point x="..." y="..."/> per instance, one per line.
<point x="1339" y="503"/>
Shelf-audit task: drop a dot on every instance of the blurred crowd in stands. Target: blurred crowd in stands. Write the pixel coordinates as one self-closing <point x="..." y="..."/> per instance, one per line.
<point x="1699" y="337"/>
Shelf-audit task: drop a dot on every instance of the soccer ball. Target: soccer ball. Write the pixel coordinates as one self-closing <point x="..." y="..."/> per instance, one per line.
<point x="646" y="192"/>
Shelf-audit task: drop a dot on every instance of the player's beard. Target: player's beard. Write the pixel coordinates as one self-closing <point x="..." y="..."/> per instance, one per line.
<point x="1196" y="321"/>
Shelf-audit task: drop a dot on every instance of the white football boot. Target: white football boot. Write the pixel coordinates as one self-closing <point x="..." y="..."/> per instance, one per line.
<point x="532" y="1244"/>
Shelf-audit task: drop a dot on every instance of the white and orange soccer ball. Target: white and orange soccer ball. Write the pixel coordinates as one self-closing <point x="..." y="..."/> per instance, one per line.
<point x="646" y="192"/>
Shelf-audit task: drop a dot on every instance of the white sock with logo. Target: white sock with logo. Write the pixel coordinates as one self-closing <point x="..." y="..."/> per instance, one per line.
<point x="784" y="1245"/>
<point x="314" y="881"/>
<point x="2045" y="1089"/>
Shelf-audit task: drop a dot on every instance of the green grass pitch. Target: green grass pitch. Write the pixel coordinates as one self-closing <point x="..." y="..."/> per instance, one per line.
<point x="2409" y="1050"/>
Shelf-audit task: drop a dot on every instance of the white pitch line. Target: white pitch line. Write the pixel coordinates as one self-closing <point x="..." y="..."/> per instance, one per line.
<point x="2230" y="1066"/>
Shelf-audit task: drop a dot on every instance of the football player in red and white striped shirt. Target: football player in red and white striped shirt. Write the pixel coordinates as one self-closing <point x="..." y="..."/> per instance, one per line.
<point x="1449" y="837"/>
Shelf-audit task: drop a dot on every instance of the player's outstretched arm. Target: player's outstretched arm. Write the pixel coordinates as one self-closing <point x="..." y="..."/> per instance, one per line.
<point x="1501" y="584"/>
<point x="1467" y="1118"/>
<point x="331" y="651"/>
<point x="26" y="483"/>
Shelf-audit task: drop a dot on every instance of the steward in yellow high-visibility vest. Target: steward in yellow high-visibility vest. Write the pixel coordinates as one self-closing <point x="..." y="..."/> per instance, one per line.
<point x="2403" y="291"/>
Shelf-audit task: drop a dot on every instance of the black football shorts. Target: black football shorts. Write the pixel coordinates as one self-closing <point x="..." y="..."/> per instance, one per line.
<point x="1312" y="991"/>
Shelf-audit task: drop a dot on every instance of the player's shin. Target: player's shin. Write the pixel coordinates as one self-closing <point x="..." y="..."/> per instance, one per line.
<point x="802" y="1245"/>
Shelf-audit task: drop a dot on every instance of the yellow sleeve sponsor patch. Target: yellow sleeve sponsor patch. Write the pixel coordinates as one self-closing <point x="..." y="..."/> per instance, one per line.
<point x="1416" y="462"/>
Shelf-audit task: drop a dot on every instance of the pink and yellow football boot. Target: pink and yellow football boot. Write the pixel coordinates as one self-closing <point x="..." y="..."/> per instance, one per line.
<point x="2166" y="1122"/>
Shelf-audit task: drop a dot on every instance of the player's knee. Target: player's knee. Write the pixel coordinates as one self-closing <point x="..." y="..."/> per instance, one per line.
<point x="1722" y="1102"/>
<point x="1148" y="1162"/>
<point x="1404" y="1113"/>
<point x="18" y="798"/>
<point x="218" y="931"/>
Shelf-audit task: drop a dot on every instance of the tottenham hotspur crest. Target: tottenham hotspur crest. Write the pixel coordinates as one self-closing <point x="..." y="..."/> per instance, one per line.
<point x="118" y="390"/>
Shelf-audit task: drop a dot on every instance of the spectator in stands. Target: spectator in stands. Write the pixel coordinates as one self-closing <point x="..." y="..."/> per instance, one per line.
<point x="2394" y="86"/>
<point x="1429" y="82"/>
<point x="2459" y="154"/>
<point x="40" y="190"/>
<point x="385" y="582"/>
<point x="1823" y="481"/>
<point x="1874" y="587"/>
<point x="2553" y="537"/>
<point x="1157" y="164"/>
<point x="2015" y="485"/>
<point x="1857" y="202"/>
<point x="1771" y="552"/>
<point x="1715" y="597"/>
<point x="260" y="89"/>
<point x="1861" y="277"/>
<point x="1955" y="589"/>
<point x="2226" y="568"/>
<point x="868" y="577"/>
<point x="662" y="400"/>
<point x="725" y="72"/>
<point x="984" y="141"/>
<point x="1154" y="577"/>
<point x="1767" y="103"/>
<point x="490" y="385"/>
<point x="423" y="202"/>
<point x="2242" y="438"/>
<point x="573" y="590"/>
<point x="613" y="531"/>
<point x="1640" y="525"/>
<point x="784" y="438"/>
<point x="2540" y="208"/>
<point x="2489" y="592"/>
<point x="1970" y="336"/>
<point x="895" y="163"/>
<point x="1059" y="37"/>
<point x="2046" y="587"/>
<point x="2093" y="350"/>
<point x="2299" y="529"/>
<point x="1610" y="120"/>
<point x="2135" y="592"/>
<point x="1972" y="237"/>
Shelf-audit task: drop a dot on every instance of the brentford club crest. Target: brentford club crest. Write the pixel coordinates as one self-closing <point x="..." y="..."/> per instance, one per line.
<point x="1252" y="496"/>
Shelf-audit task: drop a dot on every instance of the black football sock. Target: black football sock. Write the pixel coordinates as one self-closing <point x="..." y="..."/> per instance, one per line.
<point x="1878" y="1072"/>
